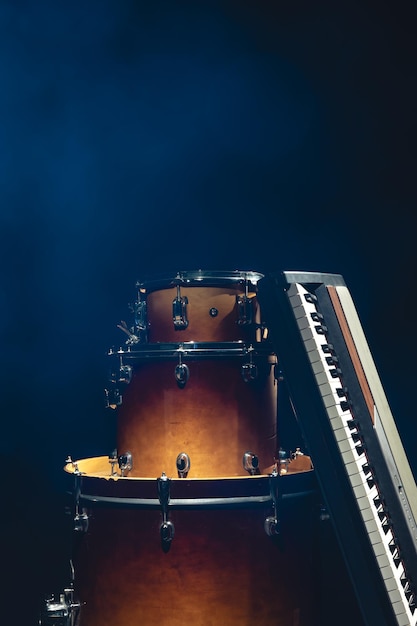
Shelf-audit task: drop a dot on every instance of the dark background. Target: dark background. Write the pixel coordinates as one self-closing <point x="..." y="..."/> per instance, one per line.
<point x="151" y="137"/>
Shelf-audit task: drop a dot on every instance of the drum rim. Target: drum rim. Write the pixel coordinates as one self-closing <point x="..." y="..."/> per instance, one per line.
<point x="193" y="278"/>
<point x="208" y="492"/>
<point x="190" y="349"/>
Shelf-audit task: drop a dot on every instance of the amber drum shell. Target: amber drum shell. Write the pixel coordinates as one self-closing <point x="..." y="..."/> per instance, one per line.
<point x="221" y="568"/>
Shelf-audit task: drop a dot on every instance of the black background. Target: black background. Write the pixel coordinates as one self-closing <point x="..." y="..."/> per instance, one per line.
<point x="140" y="138"/>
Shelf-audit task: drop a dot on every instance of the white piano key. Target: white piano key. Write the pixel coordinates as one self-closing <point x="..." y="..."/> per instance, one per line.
<point x="404" y="620"/>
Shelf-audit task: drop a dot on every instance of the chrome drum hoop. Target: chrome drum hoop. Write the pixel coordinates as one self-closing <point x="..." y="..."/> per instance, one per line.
<point x="200" y="278"/>
<point x="192" y="350"/>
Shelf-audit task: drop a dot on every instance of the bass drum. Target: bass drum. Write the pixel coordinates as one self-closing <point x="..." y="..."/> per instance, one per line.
<point x="213" y="564"/>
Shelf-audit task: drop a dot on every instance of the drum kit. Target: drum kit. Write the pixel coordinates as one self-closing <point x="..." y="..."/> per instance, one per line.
<point x="197" y="516"/>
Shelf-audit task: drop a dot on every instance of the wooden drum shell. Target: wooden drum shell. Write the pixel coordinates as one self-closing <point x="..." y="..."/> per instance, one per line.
<point x="215" y="418"/>
<point x="202" y="326"/>
<point x="221" y="568"/>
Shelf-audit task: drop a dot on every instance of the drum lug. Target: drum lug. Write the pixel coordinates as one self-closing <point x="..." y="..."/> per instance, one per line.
<point x="244" y="310"/>
<point x="74" y="465"/>
<point x="183" y="464"/>
<point x="181" y="373"/>
<point x="166" y="529"/>
<point x="125" y="462"/>
<point x="122" y="375"/>
<point x="249" y="370"/>
<point x="251" y="463"/>
<point x="179" y="311"/>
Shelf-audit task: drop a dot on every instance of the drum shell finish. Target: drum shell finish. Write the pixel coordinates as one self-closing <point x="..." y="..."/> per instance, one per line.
<point x="215" y="418"/>
<point x="203" y="325"/>
<point x="221" y="568"/>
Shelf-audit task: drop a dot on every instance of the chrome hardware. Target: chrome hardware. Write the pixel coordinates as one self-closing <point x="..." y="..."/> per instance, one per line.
<point x="166" y="529"/>
<point x="213" y="312"/>
<point x="139" y="309"/>
<point x="297" y="453"/>
<point x="123" y="375"/>
<point x="113" y="460"/>
<point x="112" y="398"/>
<point x="271" y="524"/>
<point x="283" y="461"/>
<point x="61" y="611"/>
<point x="81" y="520"/>
<point x="179" y="311"/>
<point x="251" y="463"/>
<point x="81" y="516"/>
<point x="249" y="370"/>
<point x="183" y="464"/>
<point x="132" y="337"/>
<point x="244" y="308"/>
<point x="74" y="465"/>
<point x="125" y="462"/>
<point x="181" y="372"/>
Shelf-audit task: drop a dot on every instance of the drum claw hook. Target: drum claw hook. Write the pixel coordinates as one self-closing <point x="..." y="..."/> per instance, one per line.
<point x="181" y="373"/>
<point x="166" y="529"/>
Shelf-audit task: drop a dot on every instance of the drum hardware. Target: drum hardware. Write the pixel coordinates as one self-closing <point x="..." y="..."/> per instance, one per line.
<point x="213" y="312"/>
<point x="112" y="398"/>
<point x="183" y="464"/>
<point x="244" y="307"/>
<point x="62" y="611"/>
<point x="181" y="372"/>
<point x="113" y="459"/>
<point x="166" y="529"/>
<point x="81" y="520"/>
<point x="271" y="524"/>
<point x="139" y="309"/>
<point x="179" y="311"/>
<point x="74" y="465"/>
<point x="132" y="337"/>
<point x="283" y="461"/>
<point x="125" y="463"/>
<point x="191" y="349"/>
<point x="249" y="370"/>
<point x="297" y="453"/>
<point x="123" y="375"/>
<point x="251" y="463"/>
